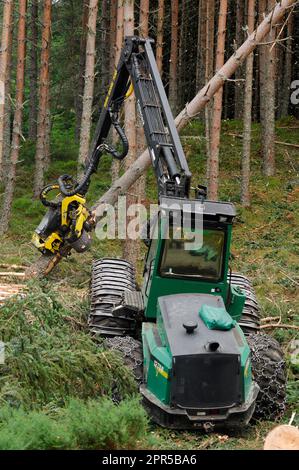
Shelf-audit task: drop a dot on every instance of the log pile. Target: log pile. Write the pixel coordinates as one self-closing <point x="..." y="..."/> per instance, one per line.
<point x="8" y="285"/>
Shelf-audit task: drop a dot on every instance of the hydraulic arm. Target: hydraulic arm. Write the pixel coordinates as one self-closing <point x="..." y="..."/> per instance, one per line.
<point x="68" y="221"/>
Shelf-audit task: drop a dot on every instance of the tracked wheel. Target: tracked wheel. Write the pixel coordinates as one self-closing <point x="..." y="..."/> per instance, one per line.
<point x="269" y="371"/>
<point x="110" y="279"/>
<point x="131" y="351"/>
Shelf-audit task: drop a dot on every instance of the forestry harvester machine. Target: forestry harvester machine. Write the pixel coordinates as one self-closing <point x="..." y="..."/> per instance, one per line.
<point x="190" y="334"/>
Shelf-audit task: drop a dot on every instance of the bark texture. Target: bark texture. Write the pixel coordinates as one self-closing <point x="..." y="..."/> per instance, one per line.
<point x="6" y="26"/>
<point x="118" y="45"/>
<point x="88" y="85"/>
<point x="144" y="18"/>
<point x="247" y="116"/>
<point x="287" y="70"/>
<point x="42" y="127"/>
<point x="239" y="89"/>
<point x="173" y="67"/>
<point x="268" y="121"/>
<point x="209" y="69"/>
<point x="159" y="43"/>
<point x="217" y="107"/>
<point x="79" y="92"/>
<point x="8" y="103"/>
<point x="130" y="247"/>
<point x="18" y="117"/>
<point x="33" y="70"/>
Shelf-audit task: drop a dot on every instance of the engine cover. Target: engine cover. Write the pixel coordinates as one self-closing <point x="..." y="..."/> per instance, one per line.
<point x="206" y="364"/>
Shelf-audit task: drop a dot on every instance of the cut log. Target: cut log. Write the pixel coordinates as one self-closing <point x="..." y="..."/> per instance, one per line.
<point x="283" y="437"/>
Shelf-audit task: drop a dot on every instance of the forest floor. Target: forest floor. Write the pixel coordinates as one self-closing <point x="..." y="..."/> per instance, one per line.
<point x="265" y="248"/>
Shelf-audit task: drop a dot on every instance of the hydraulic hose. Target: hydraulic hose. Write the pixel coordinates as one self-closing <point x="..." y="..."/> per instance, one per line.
<point x="81" y="187"/>
<point x="124" y="140"/>
<point x="43" y="196"/>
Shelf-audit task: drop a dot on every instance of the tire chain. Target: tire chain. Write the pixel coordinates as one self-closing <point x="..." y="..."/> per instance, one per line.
<point x="269" y="371"/>
<point x="131" y="351"/>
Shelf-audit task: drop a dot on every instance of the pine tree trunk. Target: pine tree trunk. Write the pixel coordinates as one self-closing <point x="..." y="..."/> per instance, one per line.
<point x="8" y="103"/>
<point x="199" y="63"/>
<point x="201" y="44"/>
<point x="33" y="72"/>
<point x="112" y="36"/>
<point x="88" y="86"/>
<point x="42" y="128"/>
<point x="18" y="117"/>
<point x="173" y="68"/>
<point x="7" y="9"/>
<point x="262" y="62"/>
<point x="141" y="144"/>
<point x="247" y="117"/>
<point x="287" y="70"/>
<point x="268" y="127"/>
<point x="130" y="247"/>
<point x="182" y="61"/>
<point x="105" y="51"/>
<point x="217" y="106"/>
<point x="144" y="18"/>
<point x="118" y="45"/>
<point x="159" y="44"/>
<point x="209" y="68"/>
<point x="80" y="90"/>
<point x="239" y="88"/>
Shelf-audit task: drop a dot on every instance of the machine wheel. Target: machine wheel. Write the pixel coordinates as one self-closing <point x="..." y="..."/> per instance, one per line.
<point x="269" y="371"/>
<point x="131" y="352"/>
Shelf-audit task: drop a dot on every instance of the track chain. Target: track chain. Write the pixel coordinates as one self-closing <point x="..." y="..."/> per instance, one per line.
<point x="110" y="279"/>
<point x="269" y="371"/>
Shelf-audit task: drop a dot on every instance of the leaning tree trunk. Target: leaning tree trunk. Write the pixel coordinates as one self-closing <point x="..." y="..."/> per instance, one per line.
<point x="190" y="111"/>
<point x="173" y="67"/>
<point x="130" y="247"/>
<point x="160" y="27"/>
<point x="245" y="193"/>
<point x="268" y="127"/>
<point x="41" y="140"/>
<point x="18" y="117"/>
<point x="6" y="25"/>
<point x="89" y="85"/>
<point x="217" y="107"/>
<point x="33" y="72"/>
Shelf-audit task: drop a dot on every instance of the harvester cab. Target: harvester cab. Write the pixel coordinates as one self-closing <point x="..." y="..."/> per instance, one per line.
<point x="202" y="360"/>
